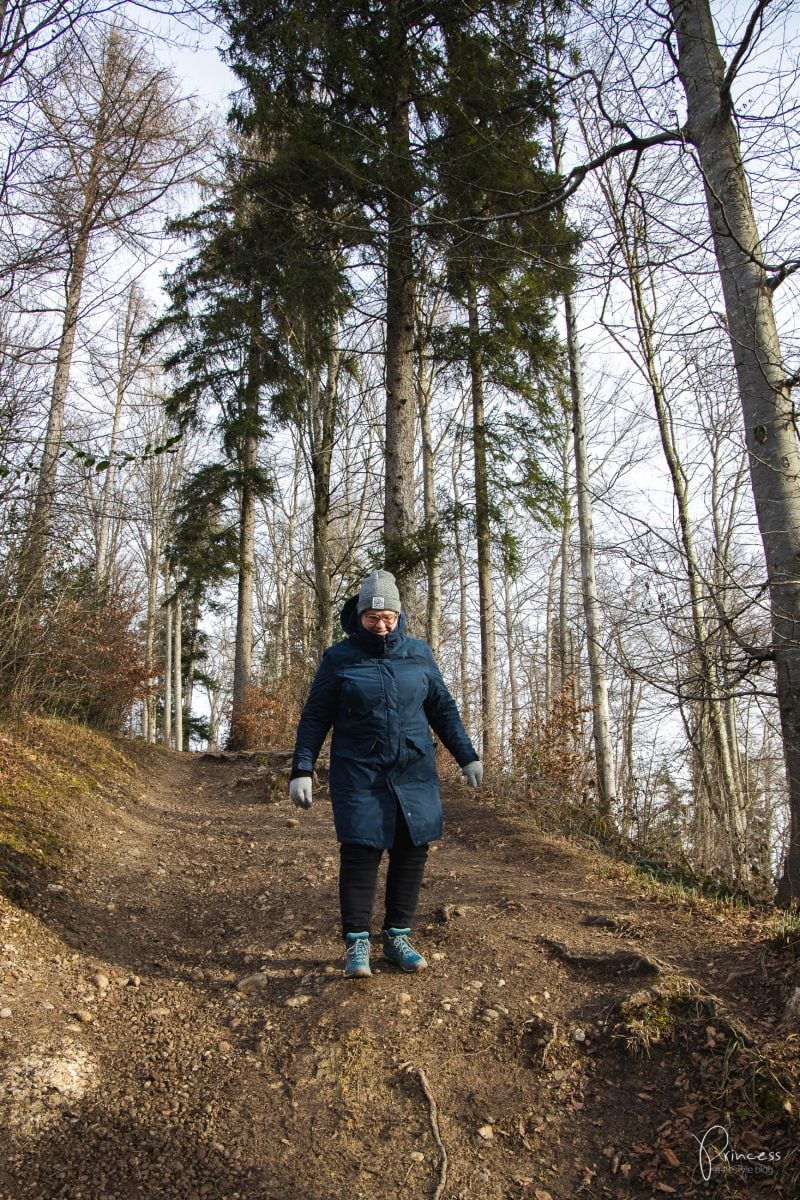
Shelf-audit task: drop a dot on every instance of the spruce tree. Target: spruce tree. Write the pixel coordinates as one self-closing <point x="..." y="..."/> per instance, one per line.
<point x="503" y="271"/>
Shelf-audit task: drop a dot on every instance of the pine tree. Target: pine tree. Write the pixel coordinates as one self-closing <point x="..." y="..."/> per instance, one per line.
<point x="362" y="89"/>
<point x="503" y="271"/>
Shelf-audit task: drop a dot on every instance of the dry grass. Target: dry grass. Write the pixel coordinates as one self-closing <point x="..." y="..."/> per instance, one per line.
<point x="46" y="766"/>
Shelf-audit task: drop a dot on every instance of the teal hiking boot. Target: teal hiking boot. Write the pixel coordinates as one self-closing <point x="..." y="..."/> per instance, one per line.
<point x="356" y="962"/>
<point x="397" y="949"/>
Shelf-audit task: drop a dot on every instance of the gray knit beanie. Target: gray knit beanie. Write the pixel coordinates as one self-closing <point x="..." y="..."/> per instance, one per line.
<point x="379" y="591"/>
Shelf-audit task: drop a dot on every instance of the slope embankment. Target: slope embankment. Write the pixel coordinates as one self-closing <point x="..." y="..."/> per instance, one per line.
<point x="173" y="1020"/>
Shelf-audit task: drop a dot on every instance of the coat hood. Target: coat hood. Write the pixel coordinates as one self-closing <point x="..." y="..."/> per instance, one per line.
<point x="373" y="643"/>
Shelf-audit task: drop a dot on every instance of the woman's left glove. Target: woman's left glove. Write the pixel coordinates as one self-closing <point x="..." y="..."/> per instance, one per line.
<point x="300" y="791"/>
<point x="473" y="773"/>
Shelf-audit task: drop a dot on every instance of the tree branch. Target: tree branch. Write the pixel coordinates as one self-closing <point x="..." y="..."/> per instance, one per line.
<point x="742" y="50"/>
<point x="571" y="181"/>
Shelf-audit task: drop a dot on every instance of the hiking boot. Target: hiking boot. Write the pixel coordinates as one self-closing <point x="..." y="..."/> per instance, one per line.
<point x="356" y="962"/>
<point x="397" y="949"/>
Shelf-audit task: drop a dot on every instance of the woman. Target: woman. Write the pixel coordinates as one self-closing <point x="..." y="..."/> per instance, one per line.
<point x="380" y="691"/>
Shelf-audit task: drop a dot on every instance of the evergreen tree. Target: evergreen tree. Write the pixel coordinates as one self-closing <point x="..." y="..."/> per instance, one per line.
<point x="372" y="95"/>
<point x="253" y="311"/>
<point x="502" y="270"/>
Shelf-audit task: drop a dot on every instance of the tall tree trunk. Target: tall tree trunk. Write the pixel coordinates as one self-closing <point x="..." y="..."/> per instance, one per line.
<point x="483" y="534"/>
<point x="323" y="419"/>
<point x="399" y="523"/>
<point x="191" y="658"/>
<point x="35" y="546"/>
<point x="513" y="680"/>
<point x="153" y="560"/>
<point x="566" y="665"/>
<point x="102" y="555"/>
<point x="627" y="766"/>
<point x="765" y="395"/>
<point x="433" y="613"/>
<point x="177" y="670"/>
<point x="549" y="638"/>
<point x="728" y="783"/>
<point x="601" y="723"/>
<point x="166" y="725"/>
<point x="463" y="628"/>
<point x="723" y="784"/>
<point x="240" y="735"/>
<point x="32" y="565"/>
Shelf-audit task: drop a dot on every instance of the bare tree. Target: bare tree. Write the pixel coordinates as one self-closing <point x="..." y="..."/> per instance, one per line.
<point x="126" y="366"/>
<point x="119" y="138"/>
<point x="748" y="287"/>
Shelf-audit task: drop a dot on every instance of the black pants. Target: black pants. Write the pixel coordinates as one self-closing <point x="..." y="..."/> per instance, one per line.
<point x="358" y="879"/>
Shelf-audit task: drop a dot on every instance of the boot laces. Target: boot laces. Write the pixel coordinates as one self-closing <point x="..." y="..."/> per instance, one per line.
<point x="358" y="951"/>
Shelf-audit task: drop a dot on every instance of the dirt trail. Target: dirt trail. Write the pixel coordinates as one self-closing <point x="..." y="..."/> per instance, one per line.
<point x="174" y="1022"/>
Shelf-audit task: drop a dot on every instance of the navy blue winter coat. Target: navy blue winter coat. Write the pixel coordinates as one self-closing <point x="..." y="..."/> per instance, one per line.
<point x="380" y="694"/>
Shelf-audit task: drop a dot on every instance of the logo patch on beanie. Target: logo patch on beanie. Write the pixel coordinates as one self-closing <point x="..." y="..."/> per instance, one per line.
<point x="378" y="601"/>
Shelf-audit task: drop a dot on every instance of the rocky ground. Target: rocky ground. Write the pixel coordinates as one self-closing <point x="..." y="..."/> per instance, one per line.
<point x="174" y="1022"/>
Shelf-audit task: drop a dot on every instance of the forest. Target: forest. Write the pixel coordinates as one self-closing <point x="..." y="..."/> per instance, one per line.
<point x="501" y="296"/>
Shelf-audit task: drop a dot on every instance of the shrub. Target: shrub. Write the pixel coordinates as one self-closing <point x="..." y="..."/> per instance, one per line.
<point x="75" y="654"/>
<point x="270" y="714"/>
<point x="551" y="762"/>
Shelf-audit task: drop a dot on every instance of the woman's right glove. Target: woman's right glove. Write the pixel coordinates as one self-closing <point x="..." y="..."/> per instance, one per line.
<point x="300" y="791"/>
<point x="473" y="773"/>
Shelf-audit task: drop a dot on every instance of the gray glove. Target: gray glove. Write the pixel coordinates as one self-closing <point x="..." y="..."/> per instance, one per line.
<point x="300" y="791"/>
<point x="473" y="773"/>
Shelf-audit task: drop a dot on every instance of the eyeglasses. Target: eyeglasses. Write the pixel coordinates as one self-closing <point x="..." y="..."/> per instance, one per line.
<point x="389" y="619"/>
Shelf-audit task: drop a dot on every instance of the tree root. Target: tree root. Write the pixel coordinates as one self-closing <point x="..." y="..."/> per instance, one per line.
<point x="623" y="960"/>
<point x="433" y="1113"/>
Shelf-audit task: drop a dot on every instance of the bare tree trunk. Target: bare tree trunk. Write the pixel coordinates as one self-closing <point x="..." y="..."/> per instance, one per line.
<point x="463" y="629"/>
<point x="35" y="548"/>
<point x="601" y="723"/>
<point x="513" y="680"/>
<point x="549" y="666"/>
<point x="433" y="613"/>
<point x="399" y="523"/>
<point x="240" y="736"/>
<point x="131" y="316"/>
<point x="177" y="670"/>
<point x="191" y="660"/>
<point x="627" y="768"/>
<point x="723" y="784"/>
<point x="729" y="784"/>
<point x="166" y="726"/>
<point x="763" y="386"/>
<point x="483" y="535"/>
<point x="243" y="661"/>
<point x="289" y="588"/>
<point x="734" y="815"/>
<point x="322" y="416"/>
<point x="153" y="561"/>
<point x="564" y="657"/>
